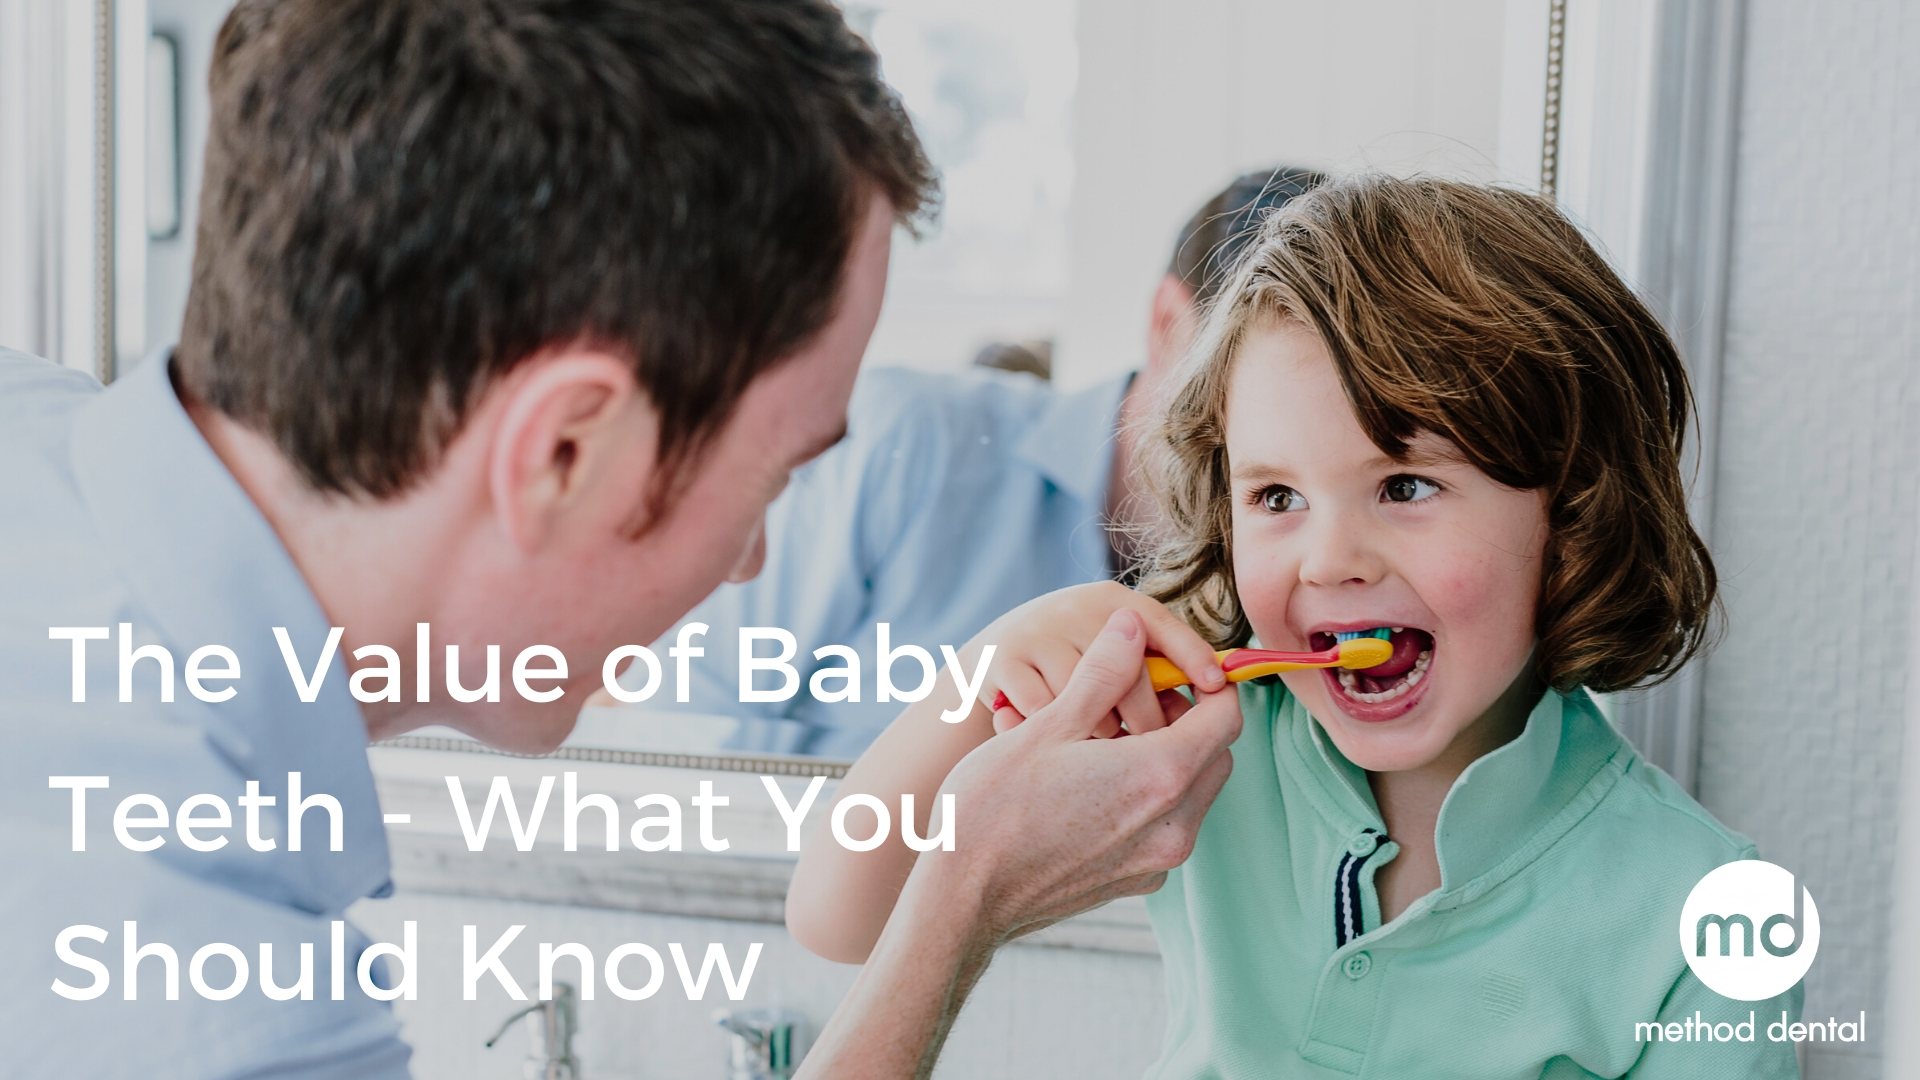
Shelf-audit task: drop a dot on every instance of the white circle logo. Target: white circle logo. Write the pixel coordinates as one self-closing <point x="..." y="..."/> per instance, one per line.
<point x="1749" y="931"/>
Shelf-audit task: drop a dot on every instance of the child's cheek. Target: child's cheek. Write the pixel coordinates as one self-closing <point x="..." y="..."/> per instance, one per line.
<point x="1485" y="599"/>
<point x="1489" y="566"/>
<point x="1265" y="588"/>
<point x="1456" y="589"/>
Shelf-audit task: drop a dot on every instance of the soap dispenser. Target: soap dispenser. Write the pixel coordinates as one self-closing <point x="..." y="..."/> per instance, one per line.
<point x="549" y="1036"/>
<point x="763" y="1044"/>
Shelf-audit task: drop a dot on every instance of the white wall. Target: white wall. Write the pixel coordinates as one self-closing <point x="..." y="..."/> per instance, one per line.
<point x="1815" y="495"/>
<point x="1174" y="100"/>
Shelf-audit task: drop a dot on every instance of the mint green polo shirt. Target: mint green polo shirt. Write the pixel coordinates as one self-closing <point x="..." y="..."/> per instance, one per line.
<point x="1564" y="861"/>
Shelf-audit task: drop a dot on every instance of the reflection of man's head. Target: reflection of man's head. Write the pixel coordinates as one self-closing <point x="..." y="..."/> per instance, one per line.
<point x="1209" y="245"/>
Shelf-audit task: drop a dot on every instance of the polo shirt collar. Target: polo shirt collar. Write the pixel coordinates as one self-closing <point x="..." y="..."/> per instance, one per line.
<point x="207" y="568"/>
<point x="1499" y="808"/>
<point x="1070" y="441"/>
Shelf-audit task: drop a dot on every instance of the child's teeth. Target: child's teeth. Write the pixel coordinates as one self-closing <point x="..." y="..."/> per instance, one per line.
<point x="1399" y="629"/>
<point x="1351" y="684"/>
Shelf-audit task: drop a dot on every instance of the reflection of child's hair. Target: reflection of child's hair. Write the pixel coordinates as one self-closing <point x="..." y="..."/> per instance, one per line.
<point x="1483" y="316"/>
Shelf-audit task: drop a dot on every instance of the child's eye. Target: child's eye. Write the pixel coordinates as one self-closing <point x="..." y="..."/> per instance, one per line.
<point x="1405" y="489"/>
<point x="1279" y="499"/>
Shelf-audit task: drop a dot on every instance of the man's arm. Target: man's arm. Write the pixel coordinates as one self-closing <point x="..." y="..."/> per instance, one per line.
<point x="839" y="900"/>
<point x="894" y="1020"/>
<point x="1049" y="823"/>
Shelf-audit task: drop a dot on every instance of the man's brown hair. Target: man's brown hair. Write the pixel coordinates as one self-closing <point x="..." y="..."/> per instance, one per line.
<point x="1483" y="316"/>
<point x="405" y="198"/>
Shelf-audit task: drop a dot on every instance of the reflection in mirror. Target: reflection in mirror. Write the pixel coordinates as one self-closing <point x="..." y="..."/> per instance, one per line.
<point x="163" y="138"/>
<point x="960" y="495"/>
<point x="1091" y="204"/>
<point x="188" y="28"/>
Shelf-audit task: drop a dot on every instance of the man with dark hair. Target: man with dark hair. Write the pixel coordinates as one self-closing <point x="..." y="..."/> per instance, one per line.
<point x="387" y="172"/>
<point x="956" y="498"/>
<point x="507" y="322"/>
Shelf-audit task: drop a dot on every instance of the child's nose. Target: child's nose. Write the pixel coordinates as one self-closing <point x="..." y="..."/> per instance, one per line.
<point x="1339" y="551"/>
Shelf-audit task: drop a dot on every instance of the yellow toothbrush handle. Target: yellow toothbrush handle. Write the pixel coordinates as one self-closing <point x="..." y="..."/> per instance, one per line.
<point x="1165" y="676"/>
<point x="1275" y="667"/>
<point x="1358" y="653"/>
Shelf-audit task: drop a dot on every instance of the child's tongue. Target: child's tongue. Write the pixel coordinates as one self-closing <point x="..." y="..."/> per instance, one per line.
<point x="1407" y="646"/>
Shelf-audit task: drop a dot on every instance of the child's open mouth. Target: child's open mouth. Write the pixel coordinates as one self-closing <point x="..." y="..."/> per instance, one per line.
<point x="1385" y="690"/>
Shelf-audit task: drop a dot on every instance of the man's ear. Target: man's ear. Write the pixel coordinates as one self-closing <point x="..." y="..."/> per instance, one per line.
<point x="1169" y="322"/>
<point x="573" y="433"/>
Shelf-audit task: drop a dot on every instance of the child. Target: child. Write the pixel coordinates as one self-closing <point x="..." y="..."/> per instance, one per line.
<point x="1429" y="408"/>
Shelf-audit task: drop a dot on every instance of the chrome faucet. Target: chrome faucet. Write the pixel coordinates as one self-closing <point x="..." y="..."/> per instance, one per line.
<point x="550" y="1039"/>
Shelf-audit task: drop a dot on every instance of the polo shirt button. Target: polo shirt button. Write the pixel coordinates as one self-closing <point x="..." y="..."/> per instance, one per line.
<point x="1357" y="965"/>
<point x="1362" y="846"/>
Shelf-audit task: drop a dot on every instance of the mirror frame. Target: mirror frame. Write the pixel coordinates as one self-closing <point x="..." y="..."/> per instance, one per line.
<point x="1646" y="102"/>
<point x="718" y="761"/>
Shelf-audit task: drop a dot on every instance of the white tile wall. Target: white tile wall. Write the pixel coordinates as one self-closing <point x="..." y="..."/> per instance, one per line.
<point x="1816" y="496"/>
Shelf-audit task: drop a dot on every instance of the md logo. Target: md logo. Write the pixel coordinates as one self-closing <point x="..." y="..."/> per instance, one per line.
<point x="1749" y="931"/>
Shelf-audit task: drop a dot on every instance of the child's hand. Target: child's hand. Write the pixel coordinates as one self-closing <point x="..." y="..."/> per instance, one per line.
<point x="1038" y="644"/>
<point x="1173" y="705"/>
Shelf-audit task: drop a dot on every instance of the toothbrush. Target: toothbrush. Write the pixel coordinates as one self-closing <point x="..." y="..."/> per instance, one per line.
<point x="1355" y="650"/>
<point x="1243" y="664"/>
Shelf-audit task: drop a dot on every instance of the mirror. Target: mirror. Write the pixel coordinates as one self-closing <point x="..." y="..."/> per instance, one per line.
<point x="1077" y="145"/>
<point x="1089" y="154"/>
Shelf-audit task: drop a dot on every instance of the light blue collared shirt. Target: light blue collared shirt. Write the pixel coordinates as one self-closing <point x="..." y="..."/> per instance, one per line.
<point x="113" y="510"/>
<point x="954" y="499"/>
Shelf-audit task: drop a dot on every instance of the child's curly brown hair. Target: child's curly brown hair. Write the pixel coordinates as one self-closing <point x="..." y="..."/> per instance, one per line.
<point x="1482" y="315"/>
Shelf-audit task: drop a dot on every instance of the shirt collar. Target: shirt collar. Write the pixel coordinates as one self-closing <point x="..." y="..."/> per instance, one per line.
<point x="204" y="564"/>
<point x="1502" y="808"/>
<point x="1071" y="440"/>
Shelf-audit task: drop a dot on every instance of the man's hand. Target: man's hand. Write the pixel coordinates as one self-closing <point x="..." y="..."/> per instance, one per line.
<point x="1050" y="823"/>
<point x="1038" y="647"/>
